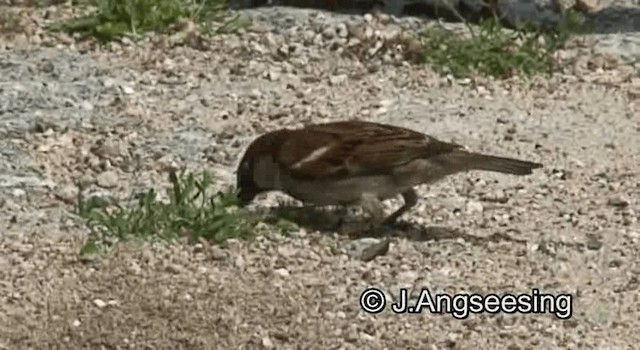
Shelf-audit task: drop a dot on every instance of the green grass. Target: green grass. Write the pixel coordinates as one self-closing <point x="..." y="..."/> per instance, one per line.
<point x="10" y="23"/>
<point x="190" y="212"/>
<point x="114" y="19"/>
<point x="492" y="50"/>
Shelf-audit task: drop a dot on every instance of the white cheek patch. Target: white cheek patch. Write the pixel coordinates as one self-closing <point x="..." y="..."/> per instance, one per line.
<point x="266" y="174"/>
<point x="311" y="157"/>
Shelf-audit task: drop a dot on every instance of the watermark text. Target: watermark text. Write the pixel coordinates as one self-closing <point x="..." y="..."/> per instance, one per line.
<point x="460" y="306"/>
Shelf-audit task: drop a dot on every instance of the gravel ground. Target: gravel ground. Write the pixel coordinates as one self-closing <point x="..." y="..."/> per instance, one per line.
<point x="115" y="119"/>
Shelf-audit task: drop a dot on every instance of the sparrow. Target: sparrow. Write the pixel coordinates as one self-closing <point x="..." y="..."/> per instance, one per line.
<point x="357" y="163"/>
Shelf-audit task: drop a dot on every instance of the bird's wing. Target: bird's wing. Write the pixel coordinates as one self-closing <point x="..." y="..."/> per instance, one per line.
<point x="355" y="148"/>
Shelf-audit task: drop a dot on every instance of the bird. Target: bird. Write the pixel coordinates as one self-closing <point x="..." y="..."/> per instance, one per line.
<point x="357" y="162"/>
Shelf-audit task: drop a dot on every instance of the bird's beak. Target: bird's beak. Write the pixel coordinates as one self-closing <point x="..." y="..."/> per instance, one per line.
<point x="244" y="198"/>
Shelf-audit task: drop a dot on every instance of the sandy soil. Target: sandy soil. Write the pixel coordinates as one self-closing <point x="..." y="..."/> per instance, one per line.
<point x="115" y="118"/>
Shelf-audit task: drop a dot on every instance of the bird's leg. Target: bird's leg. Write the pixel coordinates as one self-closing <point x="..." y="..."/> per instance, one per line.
<point x="410" y="199"/>
<point x="373" y="206"/>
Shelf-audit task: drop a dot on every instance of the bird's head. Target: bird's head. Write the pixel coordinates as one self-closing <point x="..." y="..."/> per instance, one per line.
<point x="257" y="166"/>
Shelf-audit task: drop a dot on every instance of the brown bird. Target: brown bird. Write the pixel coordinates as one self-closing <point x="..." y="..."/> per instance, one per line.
<point x="357" y="163"/>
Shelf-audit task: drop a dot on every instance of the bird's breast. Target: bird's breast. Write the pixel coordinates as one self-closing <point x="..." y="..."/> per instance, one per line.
<point x="343" y="191"/>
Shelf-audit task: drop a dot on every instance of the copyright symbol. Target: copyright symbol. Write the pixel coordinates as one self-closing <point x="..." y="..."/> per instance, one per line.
<point x="372" y="300"/>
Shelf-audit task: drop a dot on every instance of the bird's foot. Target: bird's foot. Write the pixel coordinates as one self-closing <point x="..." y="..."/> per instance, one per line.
<point x="355" y="230"/>
<point x="390" y="220"/>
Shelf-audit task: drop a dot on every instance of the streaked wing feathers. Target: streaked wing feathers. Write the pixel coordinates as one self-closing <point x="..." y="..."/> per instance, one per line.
<point x="355" y="148"/>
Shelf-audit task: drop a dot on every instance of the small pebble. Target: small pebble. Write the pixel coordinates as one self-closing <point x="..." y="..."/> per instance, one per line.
<point x="100" y="303"/>
<point x="282" y="272"/>
<point x="107" y="179"/>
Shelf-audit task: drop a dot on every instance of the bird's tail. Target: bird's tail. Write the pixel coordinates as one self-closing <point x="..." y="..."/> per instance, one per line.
<point x="478" y="161"/>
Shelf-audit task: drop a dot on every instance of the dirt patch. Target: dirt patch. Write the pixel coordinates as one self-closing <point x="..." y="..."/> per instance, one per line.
<point x="73" y="114"/>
